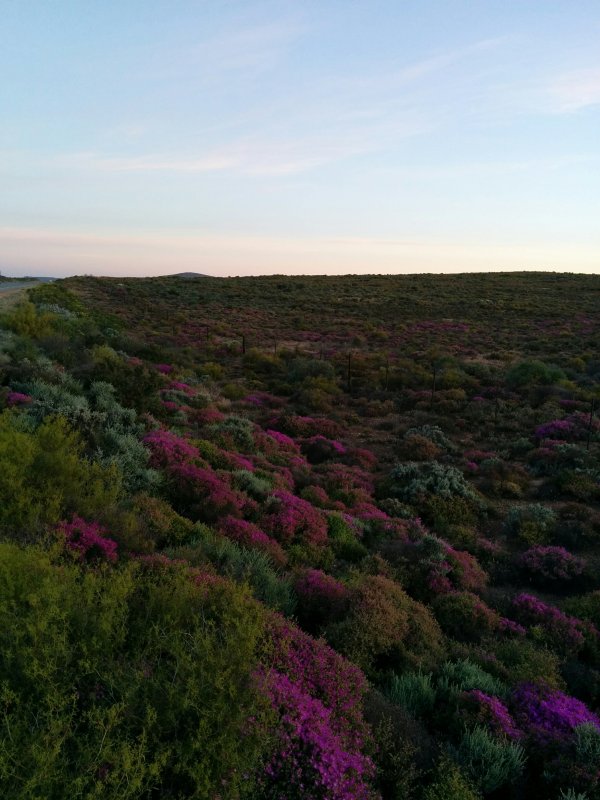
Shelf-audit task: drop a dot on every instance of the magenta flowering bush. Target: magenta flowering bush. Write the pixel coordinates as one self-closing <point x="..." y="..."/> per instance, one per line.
<point x="284" y="441"/>
<point x="555" y="429"/>
<point x="312" y="759"/>
<point x="551" y="564"/>
<point x="322" y="673"/>
<point x="18" y="399"/>
<point x="180" y="386"/>
<point x="491" y="711"/>
<point x="165" y="369"/>
<point x="562" y="631"/>
<point x="353" y="486"/>
<point x="548" y="714"/>
<point x="319" y="448"/>
<point x="290" y="519"/>
<point x="250" y="535"/>
<point x="321" y="597"/>
<point x="511" y="627"/>
<point x="167" y="448"/>
<point x="88" y="540"/>
<point x="206" y="494"/>
<point x="206" y="416"/>
<point x="573" y="427"/>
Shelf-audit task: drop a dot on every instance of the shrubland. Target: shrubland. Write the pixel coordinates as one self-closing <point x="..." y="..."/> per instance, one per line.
<point x="312" y="537"/>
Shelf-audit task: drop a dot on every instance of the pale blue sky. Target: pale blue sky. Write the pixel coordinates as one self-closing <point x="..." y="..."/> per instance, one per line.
<point x="299" y="137"/>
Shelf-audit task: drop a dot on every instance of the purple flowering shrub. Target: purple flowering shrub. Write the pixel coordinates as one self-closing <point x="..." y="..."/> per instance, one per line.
<point x="561" y="631"/>
<point x="550" y="564"/>
<point x="250" y="535"/>
<point x="290" y="519"/>
<point x="295" y="425"/>
<point x="167" y="449"/>
<point x="88" y="540"/>
<point x="573" y="427"/>
<point x="319" y="448"/>
<point x="321" y="598"/>
<point x="195" y="488"/>
<point x="205" y="494"/>
<point x="548" y="715"/>
<point x="311" y="759"/>
<point x="438" y="568"/>
<point x="321" y="734"/>
<point x="486" y="709"/>
<point x="18" y="399"/>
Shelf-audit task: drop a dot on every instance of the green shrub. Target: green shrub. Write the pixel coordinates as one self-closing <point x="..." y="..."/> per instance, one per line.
<point x="343" y="539"/>
<point x="532" y="373"/>
<point x="532" y="523"/>
<point x="44" y="476"/>
<point x="257" y="486"/>
<point x="385" y="628"/>
<point x="449" y="784"/>
<point x="242" y="565"/>
<point x="489" y="762"/>
<point x="571" y="794"/>
<point x="25" y="320"/>
<point x="464" y="675"/>
<point x="413" y="480"/>
<point x="521" y="661"/>
<point x="587" y="746"/>
<point x="464" y="616"/>
<point x="236" y="430"/>
<point x="122" y="684"/>
<point x="414" y="691"/>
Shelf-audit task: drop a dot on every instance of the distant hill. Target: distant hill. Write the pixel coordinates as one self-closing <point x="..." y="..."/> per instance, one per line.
<point x="189" y="275"/>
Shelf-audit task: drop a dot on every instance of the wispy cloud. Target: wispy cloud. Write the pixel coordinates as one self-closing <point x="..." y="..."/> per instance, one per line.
<point x="245" y="50"/>
<point x="575" y="90"/>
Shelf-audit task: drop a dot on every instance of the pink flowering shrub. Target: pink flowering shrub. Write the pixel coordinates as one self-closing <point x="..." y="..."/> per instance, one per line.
<point x="561" y="630"/>
<point x="204" y="493"/>
<point x="290" y="519"/>
<point x="550" y="564"/>
<point x="206" y="416"/>
<point x="319" y="448"/>
<point x="18" y="399"/>
<point x="307" y="426"/>
<point x="351" y="485"/>
<point x="165" y="369"/>
<point x="437" y="568"/>
<point x="321" y="598"/>
<point x="360" y="457"/>
<point x="571" y="428"/>
<point x="490" y="711"/>
<point x="283" y="441"/>
<point x="321" y="734"/>
<point x="183" y="388"/>
<point x="556" y="429"/>
<point x="87" y="539"/>
<point x="250" y="535"/>
<point x="511" y="627"/>
<point x="167" y="448"/>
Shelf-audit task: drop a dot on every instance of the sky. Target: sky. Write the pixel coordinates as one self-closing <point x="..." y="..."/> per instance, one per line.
<point x="140" y="137"/>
